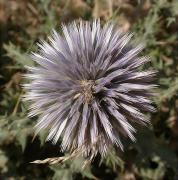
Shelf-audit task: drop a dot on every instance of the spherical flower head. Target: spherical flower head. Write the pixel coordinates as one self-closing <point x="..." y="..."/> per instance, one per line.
<point x="87" y="88"/>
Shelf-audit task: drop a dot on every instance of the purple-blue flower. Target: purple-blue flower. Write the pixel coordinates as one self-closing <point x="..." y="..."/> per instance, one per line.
<point x="88" y="89"/>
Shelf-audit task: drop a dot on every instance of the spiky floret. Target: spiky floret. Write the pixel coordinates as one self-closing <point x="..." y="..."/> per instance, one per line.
<point x="87" y="88"/>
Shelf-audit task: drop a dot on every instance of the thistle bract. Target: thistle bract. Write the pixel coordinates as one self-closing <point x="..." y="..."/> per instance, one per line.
<point x="87" y="88"/>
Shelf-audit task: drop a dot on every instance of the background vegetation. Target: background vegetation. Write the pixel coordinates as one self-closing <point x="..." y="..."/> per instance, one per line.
<point x="23" y="23"/>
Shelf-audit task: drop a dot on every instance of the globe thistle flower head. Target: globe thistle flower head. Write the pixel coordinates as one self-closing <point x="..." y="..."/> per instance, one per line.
<point x="87" y="88"/>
